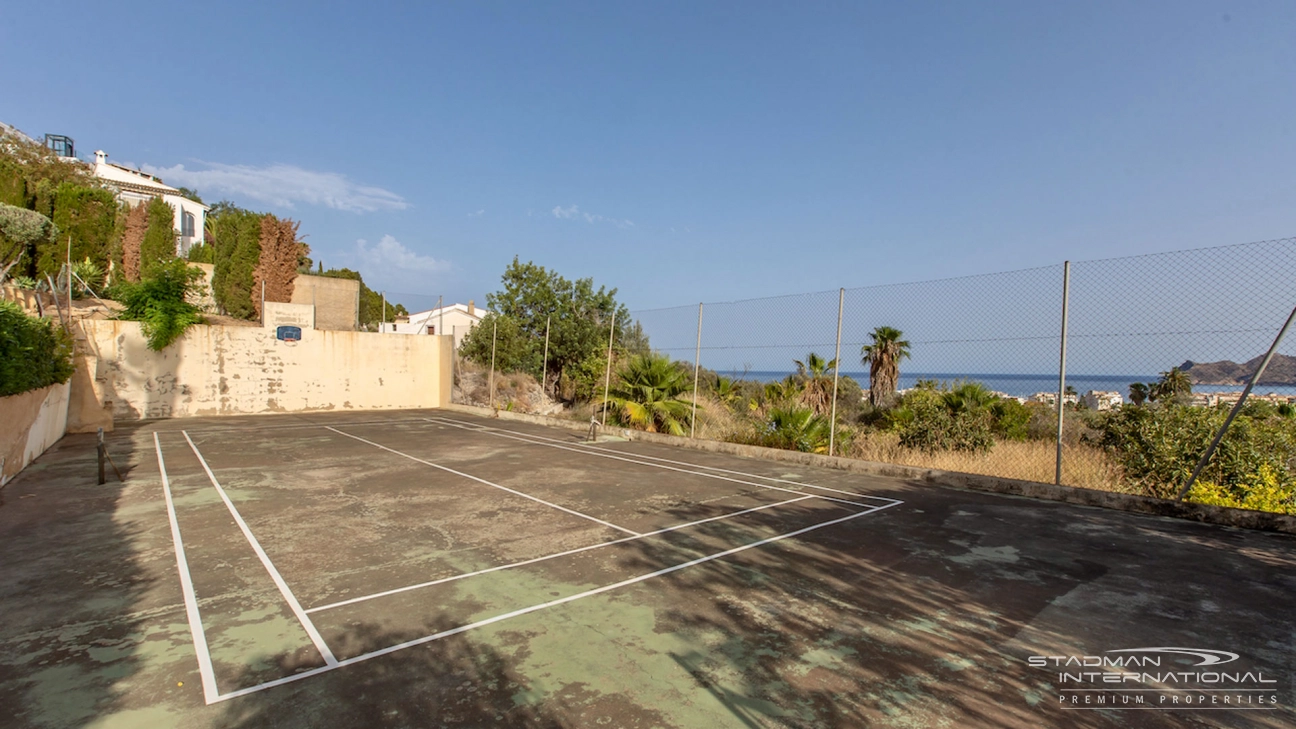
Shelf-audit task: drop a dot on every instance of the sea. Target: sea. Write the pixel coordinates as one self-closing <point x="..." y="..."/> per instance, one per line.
<point x="1026" y="385"/>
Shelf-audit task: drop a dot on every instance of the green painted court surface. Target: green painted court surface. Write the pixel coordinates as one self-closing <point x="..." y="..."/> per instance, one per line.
<point x="429" y="568"/>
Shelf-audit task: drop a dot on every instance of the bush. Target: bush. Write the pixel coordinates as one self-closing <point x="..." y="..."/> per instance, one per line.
<point x="159" y="244"/>
<point x="1264" y="492"/>
<point x="927" y="420"/>
<point x="1158" y="447"/>
<point x="159" y="302"/>
<point x="89" y="216"/>
<point x="33" y="354"/>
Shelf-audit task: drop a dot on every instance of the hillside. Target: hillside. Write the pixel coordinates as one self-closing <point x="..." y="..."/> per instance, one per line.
<point x="1281" y="371"/>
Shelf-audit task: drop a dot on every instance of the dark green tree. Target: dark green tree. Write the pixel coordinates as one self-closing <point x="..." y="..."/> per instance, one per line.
<point x="579" y="318"/>
<point x="234" y="235"/>
<point x="89" y="216"/>
<point x="159" y="244"/>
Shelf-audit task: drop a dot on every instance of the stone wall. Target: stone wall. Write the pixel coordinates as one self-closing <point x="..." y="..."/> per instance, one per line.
<point x="218" y="370"/>
<point x="336" y="300"/>
<point x="30" y="423"/>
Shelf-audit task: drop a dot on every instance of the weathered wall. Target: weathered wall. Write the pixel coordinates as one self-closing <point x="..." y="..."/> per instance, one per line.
<point x="217" y="370"/>
<point x="29" y="424"/>
<point x="335" y="300"/>
<point x="203" y="296"/>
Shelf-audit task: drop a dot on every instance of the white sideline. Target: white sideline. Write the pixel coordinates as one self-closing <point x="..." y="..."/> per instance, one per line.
<point x="288" y="596"/>
<point x="694" y="465"/>
<point x="473" y="428"/>
<point x="578" y="550"/>
<point x="205" y="670"/>
<point x="488" y="483"/>
<point x="534" y="608"/>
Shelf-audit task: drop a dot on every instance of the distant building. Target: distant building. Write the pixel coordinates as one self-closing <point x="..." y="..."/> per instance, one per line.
<point x="456" y="319"/>
<point x="1102" y="400"/>
<point x="135" y="187"/>
<point x="1050" y="398"/>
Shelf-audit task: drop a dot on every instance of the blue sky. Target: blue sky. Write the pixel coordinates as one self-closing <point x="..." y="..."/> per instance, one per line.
<point x="689" y="151"/>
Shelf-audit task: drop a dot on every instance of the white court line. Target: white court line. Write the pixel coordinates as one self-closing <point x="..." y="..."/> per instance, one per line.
<point x="578" y="550"/>
<point x="205" y="670"/>
<point x="236" y="428"/>
<point x="501" y="434"/>
<point x="534" y="608"/>
<point x="488" y="483"/>
<point x="709" y="468"/>
<point x="583" y="446"/>
<point x="288" y="596"/>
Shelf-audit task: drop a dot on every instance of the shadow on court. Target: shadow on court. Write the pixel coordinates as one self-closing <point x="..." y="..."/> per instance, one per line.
<point x="76" y="590"/>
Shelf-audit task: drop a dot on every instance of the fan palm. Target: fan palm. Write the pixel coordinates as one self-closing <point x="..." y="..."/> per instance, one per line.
<point x="817" y="374"/>
<point x="1138" y="393"/>
<point x="883" y="356"/>
<point x="645" y="395"/>
<point x="798" y="429"/>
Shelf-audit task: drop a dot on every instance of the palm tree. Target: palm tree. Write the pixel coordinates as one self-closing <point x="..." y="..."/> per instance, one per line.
<point x="817" y="391"/>
<point x="1138" y="392"/>
<point x="645" y="395"/>
<point x="727" y="390"/>
<point x="798" y="429"/>
<point x="1173" y="385"/>
<point x="968" y="397"/>
<point x="883" y="356"/>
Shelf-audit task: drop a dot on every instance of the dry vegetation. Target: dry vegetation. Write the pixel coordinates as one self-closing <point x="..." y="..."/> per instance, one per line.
<point x="514" y="391"/>
<point x="1034" y="460"/>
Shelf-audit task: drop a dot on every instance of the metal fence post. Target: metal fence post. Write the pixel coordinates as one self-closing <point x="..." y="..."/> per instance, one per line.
<point x="100" y="451"/>
<point x="1237" y="408"/>
<point x="1061" y="398"/>
<point x="262" y="302"/>
<point x="697" y="367"/>
<point x="382" y="325"/>
<point x="607" y="378"/>
<point x="494" y="327"/>
<point x="832" y="426"/>
<point x="544" y="364"/>
<point x="440" y="317"/>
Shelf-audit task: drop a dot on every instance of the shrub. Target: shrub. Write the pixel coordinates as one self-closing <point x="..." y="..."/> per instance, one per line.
<point x="159" y="244"/>
<point x="89" y="216"/>
<point x="159" y="302"/>
<point x="927" y="420"/>
<point x="33" y="354"/>
<point x="790" y="428"/>
<point x="1262" y="492"/>
<point x="1158" y="447"/>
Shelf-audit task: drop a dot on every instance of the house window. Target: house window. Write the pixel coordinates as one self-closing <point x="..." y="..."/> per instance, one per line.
<point x="187" y="225"/>
<point x="431" y="329"/>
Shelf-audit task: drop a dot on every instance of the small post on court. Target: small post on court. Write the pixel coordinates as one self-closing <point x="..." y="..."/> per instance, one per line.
<point x="1061" y="398"/>
<point x="494" y="330"/>
<point x="832" y="426"/>
<point x="697" y="366"/>
<point x="544" y="363"/>
<point x="607" y="378"/>
<point x="102" y="478"/>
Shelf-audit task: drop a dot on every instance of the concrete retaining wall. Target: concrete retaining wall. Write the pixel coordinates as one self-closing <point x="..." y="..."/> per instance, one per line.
<point x="29" y="424"/>
<point x="336" y="300"/>
<point x="218" y="370"/>
<point x="1225" y="516"/>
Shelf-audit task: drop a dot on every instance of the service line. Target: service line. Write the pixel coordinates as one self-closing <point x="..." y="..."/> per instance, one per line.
<point x="473" y="428"/>
<point x="488" y="483"/>
<point x="543" y="606"/>
<point x="578" y="550"/>
<point x="205" y="670"/>
<point x="288" y="595"/>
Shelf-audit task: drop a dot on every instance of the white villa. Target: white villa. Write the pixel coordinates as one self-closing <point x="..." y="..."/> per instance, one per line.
<point x="1102" y="400"/>
<point x="456" y="319"/>
<point x="135" y="187"/>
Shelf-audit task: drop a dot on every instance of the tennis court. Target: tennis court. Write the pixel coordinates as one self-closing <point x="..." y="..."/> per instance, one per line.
<point x="435" y="567"/>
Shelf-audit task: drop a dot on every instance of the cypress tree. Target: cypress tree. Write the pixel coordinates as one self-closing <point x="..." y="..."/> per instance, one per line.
<point x="159" y="244"/>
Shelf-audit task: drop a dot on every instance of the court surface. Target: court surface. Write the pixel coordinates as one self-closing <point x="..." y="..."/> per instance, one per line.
<point x="430" y="568"/>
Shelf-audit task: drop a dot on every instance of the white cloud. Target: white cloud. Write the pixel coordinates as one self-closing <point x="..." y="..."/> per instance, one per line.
<point x="574" y="213"/>
<point x="391" y="256"/>
<point x="281" y="185"/>
<point x="477" y="214"/>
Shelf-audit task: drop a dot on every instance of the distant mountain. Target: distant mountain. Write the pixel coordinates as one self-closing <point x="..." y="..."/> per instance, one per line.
<point x="1281" y="371"/>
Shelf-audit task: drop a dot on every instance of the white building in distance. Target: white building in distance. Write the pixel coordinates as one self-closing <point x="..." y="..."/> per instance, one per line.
<point x="456" y="319"/>
<point x="1102" y="400"/>
<point x="135" y="187"/>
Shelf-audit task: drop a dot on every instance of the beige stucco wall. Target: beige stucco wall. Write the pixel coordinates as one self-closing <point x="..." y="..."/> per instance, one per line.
<point x="335" y="300"/>
<point x="217" y="370"/>
<point x="29" y="424"/>
<point x="203" y="296"/>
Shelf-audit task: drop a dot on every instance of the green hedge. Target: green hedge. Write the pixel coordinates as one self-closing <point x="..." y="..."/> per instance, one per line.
<point x="33" y="353"/>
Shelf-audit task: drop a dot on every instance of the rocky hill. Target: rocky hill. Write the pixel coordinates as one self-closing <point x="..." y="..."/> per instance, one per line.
<point x="1281" y="371"/>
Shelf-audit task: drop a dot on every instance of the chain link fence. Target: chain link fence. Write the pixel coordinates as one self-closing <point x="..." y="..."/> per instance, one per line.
<point x="1128" y="321"/>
